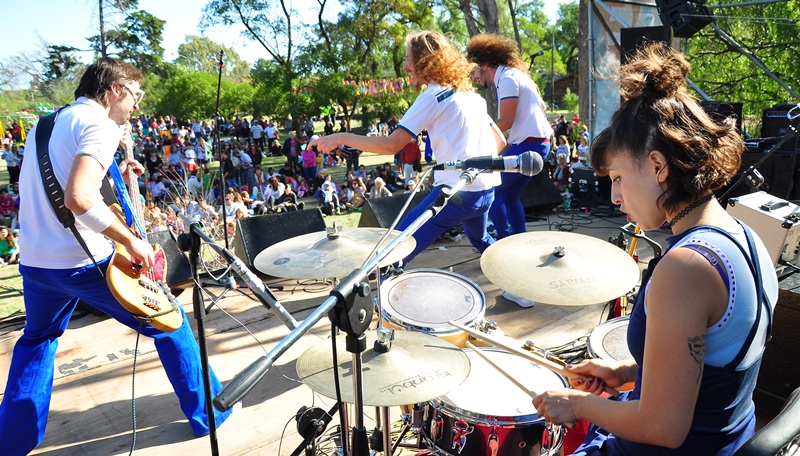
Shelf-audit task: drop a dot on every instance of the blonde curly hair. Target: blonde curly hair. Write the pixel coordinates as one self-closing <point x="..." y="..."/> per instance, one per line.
<point x="435" y="59"/>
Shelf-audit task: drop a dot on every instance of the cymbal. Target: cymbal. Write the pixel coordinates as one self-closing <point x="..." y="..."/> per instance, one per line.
<point x="417" y="368"/>
<point x="560" y="268"/>
<point x="316" y="255"/>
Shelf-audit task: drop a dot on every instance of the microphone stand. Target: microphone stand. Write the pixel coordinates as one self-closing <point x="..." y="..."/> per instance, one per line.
<point x="229" y="282"/>
<point x="350" y="308"/>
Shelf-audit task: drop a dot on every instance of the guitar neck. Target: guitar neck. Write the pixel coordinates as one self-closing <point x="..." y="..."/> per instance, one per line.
<point x="133" y="184"/>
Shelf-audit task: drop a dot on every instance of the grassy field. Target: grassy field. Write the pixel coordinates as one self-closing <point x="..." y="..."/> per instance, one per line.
<point x="11" y="291"/>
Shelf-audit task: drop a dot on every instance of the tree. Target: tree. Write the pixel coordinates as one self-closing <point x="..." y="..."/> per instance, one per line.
<point x="725" y="75"/>
<point x="134" y="37"/>
<point x="567" y="36"/>
<point x="199" y="53"/>
<point x="193" y="95"/>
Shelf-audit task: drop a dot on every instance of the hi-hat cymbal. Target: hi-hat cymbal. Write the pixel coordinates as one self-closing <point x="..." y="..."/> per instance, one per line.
<point x="554" y="267"/>
<point x="418" y="368"/>
<point x="316" y="255"/>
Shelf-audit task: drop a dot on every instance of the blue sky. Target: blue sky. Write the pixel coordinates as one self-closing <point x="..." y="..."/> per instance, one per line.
<point x="68" y="22"/>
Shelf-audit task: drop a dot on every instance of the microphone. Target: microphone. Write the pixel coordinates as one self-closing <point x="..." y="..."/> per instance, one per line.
<point x="528" y="163"/>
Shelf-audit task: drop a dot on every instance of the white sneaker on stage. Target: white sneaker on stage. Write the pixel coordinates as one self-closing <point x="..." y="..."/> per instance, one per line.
<point x="522" y="302"/>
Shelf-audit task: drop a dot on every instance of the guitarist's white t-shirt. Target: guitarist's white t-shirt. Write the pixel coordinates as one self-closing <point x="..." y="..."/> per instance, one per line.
<point x="83" y="128"/>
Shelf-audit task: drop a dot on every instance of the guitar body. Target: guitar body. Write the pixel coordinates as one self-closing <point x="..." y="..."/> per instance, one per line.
<point x="142" y="294"/>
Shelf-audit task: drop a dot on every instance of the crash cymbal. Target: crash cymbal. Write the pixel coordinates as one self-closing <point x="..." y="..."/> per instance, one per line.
<point x="417" y="368"/>
<point x="559" y="268"/>
<point x="319" y="255"/>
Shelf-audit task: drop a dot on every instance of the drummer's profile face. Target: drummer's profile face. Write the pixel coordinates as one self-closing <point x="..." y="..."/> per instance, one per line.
<point x="636" y="186"/>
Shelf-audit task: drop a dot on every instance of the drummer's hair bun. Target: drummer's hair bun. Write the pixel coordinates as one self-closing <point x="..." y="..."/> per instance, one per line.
<point x="654" y="72"/>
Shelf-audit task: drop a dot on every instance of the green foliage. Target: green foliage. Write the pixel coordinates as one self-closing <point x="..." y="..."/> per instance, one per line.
<point x="199" y="53"/>
<point x="767" y="31"/>
<point x="135" y="39"/>
<point x="193" y="95"/>
<point x="570" y="101"/>
<point x="567" y="36"/>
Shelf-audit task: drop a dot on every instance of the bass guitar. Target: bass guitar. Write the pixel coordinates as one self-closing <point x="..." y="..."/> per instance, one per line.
<point x="145" y="295"/>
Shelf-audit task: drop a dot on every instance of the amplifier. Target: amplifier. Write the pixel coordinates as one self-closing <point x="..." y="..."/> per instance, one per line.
<point x="775" y="121"/>
<point x="776" y="221"/>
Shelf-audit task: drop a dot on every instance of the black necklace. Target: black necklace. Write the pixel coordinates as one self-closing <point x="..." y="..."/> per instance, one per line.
<point x="688" y="209"/>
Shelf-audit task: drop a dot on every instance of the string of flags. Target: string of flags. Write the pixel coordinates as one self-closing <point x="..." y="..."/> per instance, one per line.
<point x="379" y="86"/>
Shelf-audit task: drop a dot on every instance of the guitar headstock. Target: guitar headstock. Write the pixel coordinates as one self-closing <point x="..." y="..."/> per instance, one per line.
<point x="126" y="142"/>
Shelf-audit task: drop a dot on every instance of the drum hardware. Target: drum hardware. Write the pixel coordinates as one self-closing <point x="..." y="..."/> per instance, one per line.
<point x="311" y="423"/>
<point x="543" y="352"/>
<point x="556" y="367"/>
<point x="570" y="269"/>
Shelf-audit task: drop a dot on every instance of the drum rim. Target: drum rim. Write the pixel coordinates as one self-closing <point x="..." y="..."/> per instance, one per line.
<point x="445" y="329"/>
<point x="485" y="419"/>
<point x="608" y="325"/>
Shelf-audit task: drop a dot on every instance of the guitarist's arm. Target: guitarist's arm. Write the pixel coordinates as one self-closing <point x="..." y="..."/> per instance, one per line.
<point x="81" y="194"/>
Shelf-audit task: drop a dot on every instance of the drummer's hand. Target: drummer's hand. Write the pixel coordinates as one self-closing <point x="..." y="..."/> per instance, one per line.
<point x="598" y="373"/>
<point x="557" y="406"/>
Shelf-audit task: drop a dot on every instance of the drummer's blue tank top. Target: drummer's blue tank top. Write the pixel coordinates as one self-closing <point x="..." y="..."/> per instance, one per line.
<point x="724" y="416"/>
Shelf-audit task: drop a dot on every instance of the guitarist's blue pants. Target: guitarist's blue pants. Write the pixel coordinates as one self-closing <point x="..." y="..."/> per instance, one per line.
<point x="50" y="298"/>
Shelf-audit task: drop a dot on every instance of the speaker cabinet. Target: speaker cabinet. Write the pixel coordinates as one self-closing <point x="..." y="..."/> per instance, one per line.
<point x="381" y="212"/>
<point x="632" y="38"/>
<point x="774" y="121"/>
<point x="684" y="17"/>
<point x="254" y="234"/>
<point x="721" y="110"/>
<point x="540" y="193"/>
<point x="179" y="271"/>
<point x="778" y="172"/>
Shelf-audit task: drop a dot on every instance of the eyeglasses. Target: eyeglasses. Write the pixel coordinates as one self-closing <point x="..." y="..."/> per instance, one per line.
<point x="137" y="94"/>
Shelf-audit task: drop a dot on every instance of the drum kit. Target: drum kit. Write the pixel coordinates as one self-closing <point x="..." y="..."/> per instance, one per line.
<point x="418" y="356"/>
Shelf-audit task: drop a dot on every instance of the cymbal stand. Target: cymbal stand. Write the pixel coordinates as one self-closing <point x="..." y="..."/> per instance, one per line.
<point x="350" y="308"/>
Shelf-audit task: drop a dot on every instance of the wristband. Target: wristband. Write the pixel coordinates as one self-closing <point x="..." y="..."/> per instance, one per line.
<point x="97" y="218"/>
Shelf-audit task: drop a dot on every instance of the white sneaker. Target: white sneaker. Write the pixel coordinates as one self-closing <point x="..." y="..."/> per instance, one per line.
<point x="522" y="302"/>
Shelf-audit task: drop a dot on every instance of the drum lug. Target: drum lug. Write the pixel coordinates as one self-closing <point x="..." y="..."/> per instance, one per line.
<point x="493" y="444"/>
<point x="552" y="438"/>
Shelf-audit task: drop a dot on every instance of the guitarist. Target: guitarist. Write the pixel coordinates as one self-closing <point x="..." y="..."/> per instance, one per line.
<point x="56" y="271"/>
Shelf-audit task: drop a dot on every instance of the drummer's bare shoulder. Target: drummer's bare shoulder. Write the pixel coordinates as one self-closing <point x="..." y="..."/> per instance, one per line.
<point x="384" y="145"/>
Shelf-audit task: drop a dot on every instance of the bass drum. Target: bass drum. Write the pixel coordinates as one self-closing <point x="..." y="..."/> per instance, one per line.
<point x="424" y="300"/>
<point x="488" y="414"/>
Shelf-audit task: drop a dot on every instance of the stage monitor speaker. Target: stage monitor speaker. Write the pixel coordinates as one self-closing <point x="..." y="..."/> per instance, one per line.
<point x="632" y="38"/>
<point x="780" y="373"/>
<point x="685" y="17"/>
<point x="179" y="271"/>
<point x="774" y="121"/>
<point x="381" y="212"/>
<point x="721" y="110"/>
<point x="540" y="193"/>
<point x="254" y="234"/>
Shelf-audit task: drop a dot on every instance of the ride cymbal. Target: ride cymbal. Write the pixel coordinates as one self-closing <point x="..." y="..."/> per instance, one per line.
<point x="417" y="368"/>
<point x="559" y="268"/>
<point x="321" y="254"/>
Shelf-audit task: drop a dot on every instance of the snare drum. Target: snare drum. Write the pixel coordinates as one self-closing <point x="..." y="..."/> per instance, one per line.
<point x="609" y="341"/>
<point x="488" y="410"/>
<point x="424" y="300"/>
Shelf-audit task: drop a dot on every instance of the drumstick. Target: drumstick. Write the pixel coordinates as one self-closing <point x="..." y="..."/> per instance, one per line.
<point x="553" y="366"/>
<point x="532" y="394"/>
<point x="511" y="378"/>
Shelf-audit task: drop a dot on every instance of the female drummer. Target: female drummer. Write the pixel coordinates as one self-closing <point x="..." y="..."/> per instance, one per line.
<point x="703" y="314"/>
<point x="458" y="127"/>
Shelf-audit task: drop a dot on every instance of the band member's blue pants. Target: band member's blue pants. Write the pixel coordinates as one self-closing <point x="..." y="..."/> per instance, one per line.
<point x="50" y="298"/>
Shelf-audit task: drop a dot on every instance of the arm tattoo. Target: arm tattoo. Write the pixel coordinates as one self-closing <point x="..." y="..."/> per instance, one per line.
<point x="697" y="350"/>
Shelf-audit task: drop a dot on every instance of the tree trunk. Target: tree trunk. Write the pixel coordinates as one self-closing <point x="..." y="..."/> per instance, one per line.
<point x="103" y="51"/>
<point x="488" y="9"/>
<point x="472" y="25"/>
<point x="514" y="22"/>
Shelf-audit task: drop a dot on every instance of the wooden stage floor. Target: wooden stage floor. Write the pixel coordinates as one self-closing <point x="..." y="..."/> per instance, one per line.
<point x="91" y="406"/>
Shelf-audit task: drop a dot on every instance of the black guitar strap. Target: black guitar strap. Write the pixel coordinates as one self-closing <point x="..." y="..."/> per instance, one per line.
<point x="52" y="188"/>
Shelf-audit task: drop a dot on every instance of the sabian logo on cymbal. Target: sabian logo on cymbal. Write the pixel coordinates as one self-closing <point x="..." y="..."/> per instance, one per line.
<point x="568" y="283"/>
<point x="413" y="382"/>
